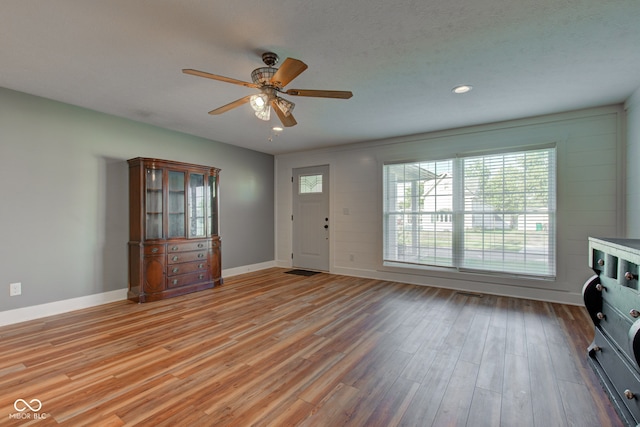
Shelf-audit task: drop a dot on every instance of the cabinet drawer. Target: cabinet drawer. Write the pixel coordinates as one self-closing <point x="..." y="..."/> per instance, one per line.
<point x="187" y="267"/>
<point x="153" y="249"/>
<point x="178" y="257"/>
<point x="190" y="246"/>
<point x="628" y="274"/>
<point x="597" y="260"/>
<point x="621" y="374"/>
<point x="625" y="300"/>
<point x="616" y="326"/>
<point x="188" y="279"/>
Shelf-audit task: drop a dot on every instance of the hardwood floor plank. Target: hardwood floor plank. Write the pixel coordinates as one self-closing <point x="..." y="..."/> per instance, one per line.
<point x="517" y="406"/>
<point x="291" y="414"/>
<point x="546" y="399"/>
<point x="491" y="370"/>
<point x="330" y="378"/>
<point x="425" y="403"/>
<point x="335" y="409"/>
<point x="474" y="344"/>
<point x="393" y="404"/>
<point x="456" y="402"/>
<point x="516" y="337"/>
<point x="576" y="403"/>
<point x="485" y="408"/>
<point x="274" y="349"/>
<point x="419" y="365"/>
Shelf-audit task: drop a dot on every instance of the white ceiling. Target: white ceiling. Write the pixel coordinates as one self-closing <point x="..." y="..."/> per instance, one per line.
<point x="400" y="58"/>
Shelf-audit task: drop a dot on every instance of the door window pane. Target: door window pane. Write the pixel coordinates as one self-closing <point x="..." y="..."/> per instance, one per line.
<point x="310" y="184"/>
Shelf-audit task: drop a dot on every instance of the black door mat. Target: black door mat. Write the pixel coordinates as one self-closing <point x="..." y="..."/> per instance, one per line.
<point x="302" y="272"/>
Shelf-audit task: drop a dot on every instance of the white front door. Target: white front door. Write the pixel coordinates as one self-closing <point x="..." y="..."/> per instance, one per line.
<point x="311" y="218"/>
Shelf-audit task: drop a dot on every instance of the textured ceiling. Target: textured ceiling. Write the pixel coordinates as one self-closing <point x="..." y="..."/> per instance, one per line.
<point x="400" y="58"/>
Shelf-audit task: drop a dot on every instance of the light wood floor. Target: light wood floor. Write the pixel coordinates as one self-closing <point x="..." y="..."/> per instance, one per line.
<point x="275" y="349"/>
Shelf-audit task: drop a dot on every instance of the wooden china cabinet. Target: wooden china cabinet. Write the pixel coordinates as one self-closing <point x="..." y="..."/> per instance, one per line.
<point x="174" y="247"/>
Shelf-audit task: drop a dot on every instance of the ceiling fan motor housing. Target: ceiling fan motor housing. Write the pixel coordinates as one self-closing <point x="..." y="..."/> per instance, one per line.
<point x="270" y="59"/>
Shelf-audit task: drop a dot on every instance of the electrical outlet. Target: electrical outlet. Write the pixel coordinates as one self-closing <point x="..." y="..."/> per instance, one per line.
<point x="15" y="289"/>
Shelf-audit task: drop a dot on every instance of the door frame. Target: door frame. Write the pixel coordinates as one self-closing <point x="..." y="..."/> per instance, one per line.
<point x="325" y="170"/>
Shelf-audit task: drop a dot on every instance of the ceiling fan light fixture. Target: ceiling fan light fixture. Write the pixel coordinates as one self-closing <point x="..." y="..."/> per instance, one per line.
<point x="259" y="102"/>
<point x="264" y="114"/>
<point x="285" y="106"/>
<point x="460" y="89"/>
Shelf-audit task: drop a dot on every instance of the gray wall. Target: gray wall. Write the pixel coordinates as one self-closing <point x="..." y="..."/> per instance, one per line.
<point x="64" y="197"/>
<point x="633" y="171"/>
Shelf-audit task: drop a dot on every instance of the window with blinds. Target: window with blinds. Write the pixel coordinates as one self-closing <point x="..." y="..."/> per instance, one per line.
<point x="490" y="213"/>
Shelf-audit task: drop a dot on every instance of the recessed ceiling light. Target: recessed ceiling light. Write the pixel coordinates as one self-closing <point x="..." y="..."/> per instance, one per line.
<point x="277" y="129"/>
<point x="461" y="89"/>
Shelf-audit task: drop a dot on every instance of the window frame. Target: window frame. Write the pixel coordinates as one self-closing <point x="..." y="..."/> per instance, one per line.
<point x="458" y="221"/>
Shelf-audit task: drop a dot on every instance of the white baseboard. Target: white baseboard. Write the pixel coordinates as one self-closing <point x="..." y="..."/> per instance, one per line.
<point x="547" y="295"/>
<point x="34" y="312"/>
<point x="229" y="272"/>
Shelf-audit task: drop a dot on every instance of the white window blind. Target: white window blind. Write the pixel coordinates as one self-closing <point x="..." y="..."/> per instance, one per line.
<point x="492" y="212"/>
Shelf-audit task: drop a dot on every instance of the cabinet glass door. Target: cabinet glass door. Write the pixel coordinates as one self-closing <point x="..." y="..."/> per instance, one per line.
<point x="176" y="204"/>
<point x="212" y="218"/>
<point x="197" y="209"/>
<point x="153" y="205"/>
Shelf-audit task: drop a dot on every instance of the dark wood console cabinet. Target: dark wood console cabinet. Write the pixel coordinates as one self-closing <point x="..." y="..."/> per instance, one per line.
<point x="174" y="247"/>
<point x="612" y="299"/>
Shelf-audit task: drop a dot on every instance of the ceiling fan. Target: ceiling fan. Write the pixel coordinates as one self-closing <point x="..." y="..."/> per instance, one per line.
<point x="271" y="82"/>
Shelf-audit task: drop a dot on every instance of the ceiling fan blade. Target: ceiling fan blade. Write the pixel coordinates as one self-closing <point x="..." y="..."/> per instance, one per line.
<point x="287" y="120"/>
<point x="289" y="70"/>
<point x="220" y="78"/>
<point x="341" y="94"/>
<point x="231" y="105"/>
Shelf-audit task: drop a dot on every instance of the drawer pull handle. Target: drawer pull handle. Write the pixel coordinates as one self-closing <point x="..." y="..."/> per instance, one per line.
<point x="628" y="275"/>
<point x="200" y="255"/>
<point x="154" y="250"/>
<point x="629" y="394"/>
<point x="200" y="245"/>
<point x="175" y="281"/>
<point x="201" y="276"/>
<point x="634" y="313"/>
<point x="175" y="270"/>
<point x="200" y="265"/>
<point x="600" y="315"/>
<point x="175" y="248"/>
<point x="175" y="258"/>
<point x="599" y="287"/>
<point x="600" y="262"/>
